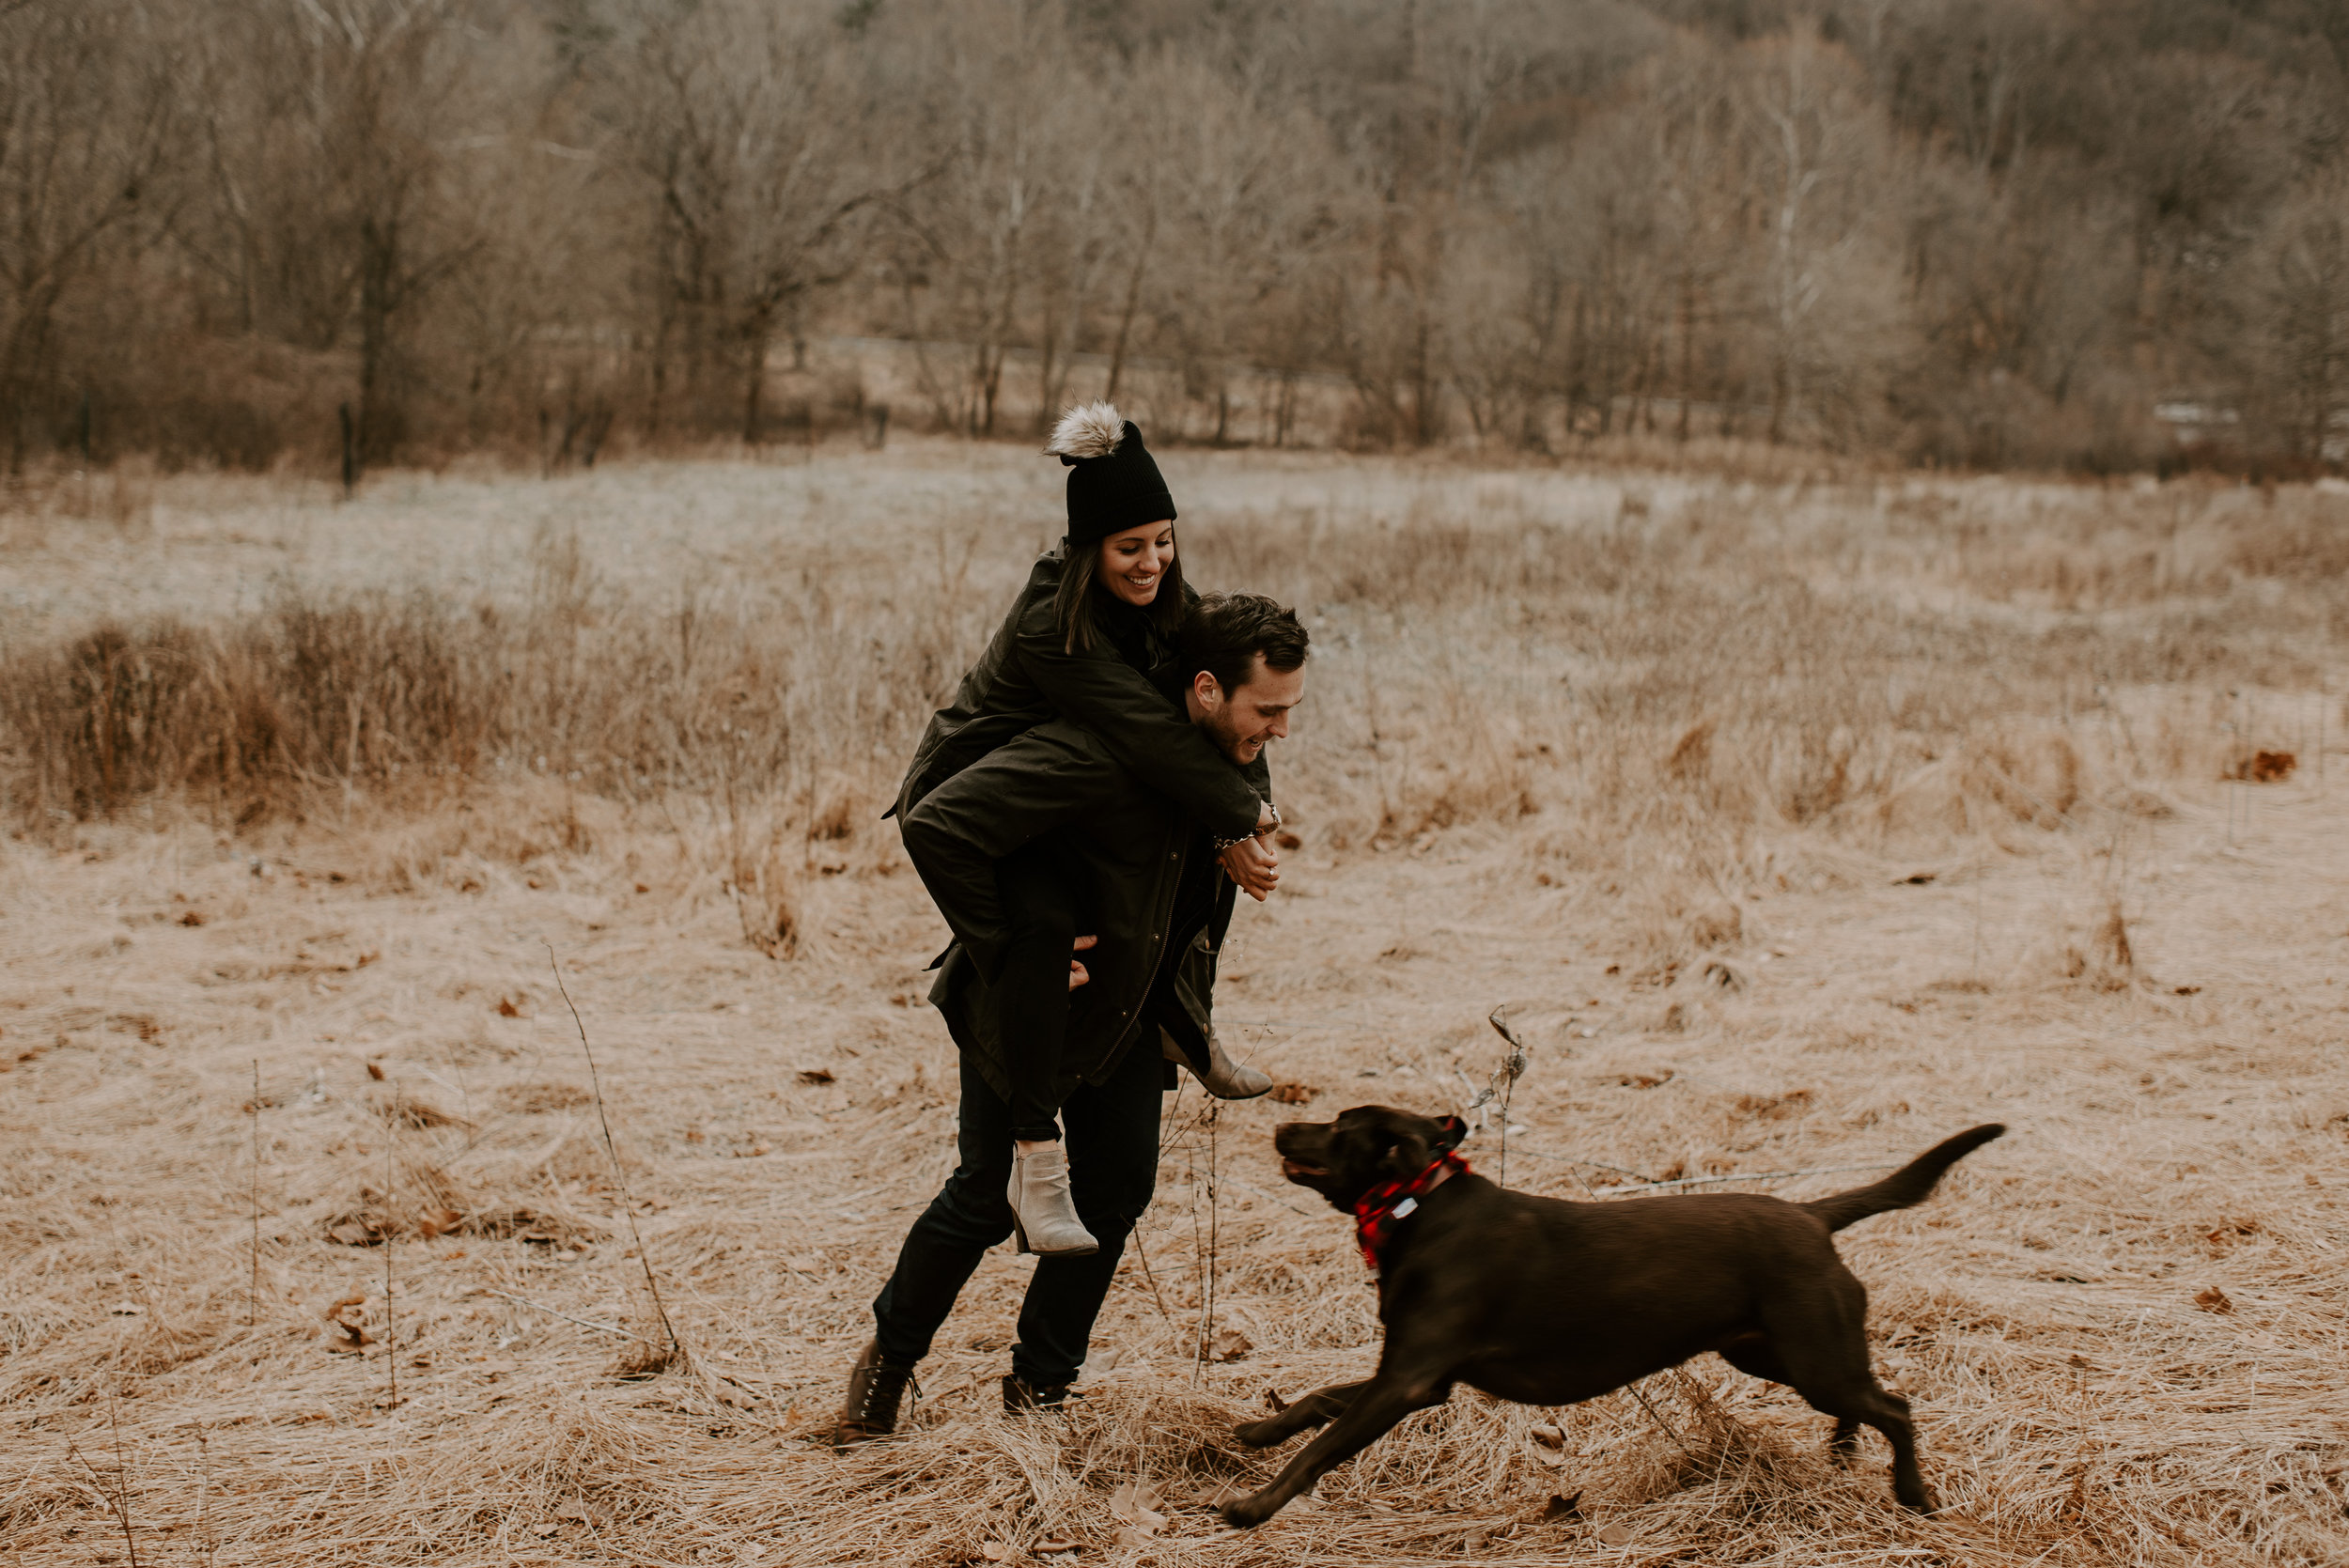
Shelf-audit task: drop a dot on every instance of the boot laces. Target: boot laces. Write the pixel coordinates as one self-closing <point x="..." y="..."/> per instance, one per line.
<point x="884" y="1390"/>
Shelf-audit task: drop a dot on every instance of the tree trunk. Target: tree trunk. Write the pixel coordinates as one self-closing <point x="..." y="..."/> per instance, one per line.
<point x="1125" y="318"/>
<point x="757" y="332"/>
<point x="379" y="272"/>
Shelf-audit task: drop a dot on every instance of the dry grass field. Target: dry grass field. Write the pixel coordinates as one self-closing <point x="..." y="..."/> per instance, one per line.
<point x="1801" y="821"/>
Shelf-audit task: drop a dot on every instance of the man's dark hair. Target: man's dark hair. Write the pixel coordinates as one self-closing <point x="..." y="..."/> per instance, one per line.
<point x="1225" y="633"/>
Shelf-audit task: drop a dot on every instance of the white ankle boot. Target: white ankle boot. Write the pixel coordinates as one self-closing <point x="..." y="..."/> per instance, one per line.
<point x="1043" y="1214"/>
<point x="1225" y="1078"/>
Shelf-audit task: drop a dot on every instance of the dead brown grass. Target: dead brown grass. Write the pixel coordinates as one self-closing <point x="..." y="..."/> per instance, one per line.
<point x="1843" y="836"/>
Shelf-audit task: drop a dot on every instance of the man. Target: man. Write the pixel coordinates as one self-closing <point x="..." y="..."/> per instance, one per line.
<point x="1159" y="913"/>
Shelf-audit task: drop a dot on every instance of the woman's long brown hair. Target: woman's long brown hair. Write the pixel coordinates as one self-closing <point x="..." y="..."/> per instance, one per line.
<point x="1078" y="612"/>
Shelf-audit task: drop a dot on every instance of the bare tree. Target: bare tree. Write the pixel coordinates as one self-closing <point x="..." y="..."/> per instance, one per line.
<point x="1244" y="199"/>
<point x="744" y="123"/>
<point x="2296" y="287"/>
<point x="1824" y="284"/>
<point x="85" y="119"/>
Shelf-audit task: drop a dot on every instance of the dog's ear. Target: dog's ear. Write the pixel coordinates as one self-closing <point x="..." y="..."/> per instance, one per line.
<point x="1454" y="1131"/>
<point x="1407" y="1153"/>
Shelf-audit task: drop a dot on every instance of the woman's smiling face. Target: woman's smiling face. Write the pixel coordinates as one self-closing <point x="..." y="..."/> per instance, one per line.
<point x="1134" y="561"/>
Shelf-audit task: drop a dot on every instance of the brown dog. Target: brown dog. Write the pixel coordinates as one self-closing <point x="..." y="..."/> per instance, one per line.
<point x="1548" y="1302"/>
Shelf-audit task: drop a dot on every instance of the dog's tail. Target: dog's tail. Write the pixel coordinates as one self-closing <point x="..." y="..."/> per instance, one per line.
<point x="1911" y="1185"/>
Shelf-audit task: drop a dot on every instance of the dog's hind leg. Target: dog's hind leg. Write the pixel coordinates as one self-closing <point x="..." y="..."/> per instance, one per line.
<point x="1822" y="1340"/>
<point x="1753" y="1354"/>
<point x="1318" y="1408"/>
<point x="1372" y="1411"/>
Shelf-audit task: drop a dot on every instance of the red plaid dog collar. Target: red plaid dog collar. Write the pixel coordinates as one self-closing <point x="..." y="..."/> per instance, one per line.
<point x="1377" y="1211"/>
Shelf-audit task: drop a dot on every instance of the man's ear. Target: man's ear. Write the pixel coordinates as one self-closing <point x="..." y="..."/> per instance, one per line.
<point x="1454" y="1131"/>
<point x="1207" y="690"/>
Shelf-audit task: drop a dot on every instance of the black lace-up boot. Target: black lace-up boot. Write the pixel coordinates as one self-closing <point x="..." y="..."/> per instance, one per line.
<point x="875" y="1388"/>
<point x="1019" y="1394"/>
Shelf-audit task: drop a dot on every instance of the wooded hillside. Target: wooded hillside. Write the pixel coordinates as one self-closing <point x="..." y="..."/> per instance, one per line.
<point x="2064" y="233"/>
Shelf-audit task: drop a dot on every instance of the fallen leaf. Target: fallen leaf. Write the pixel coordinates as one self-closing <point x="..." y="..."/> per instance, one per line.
<point x="1053" y="1545"/>
<point x="507" y="1008"/>
<point x="1229" y="1345"/>
<point x="1130" y="1536"/>
<point x="375" y="1071"/>
<point x="1559" y="1508"/>
<point x="1543" y="1454"/>
<point x="2212" y="1299"/>
<point x="193" y="917"/>
<point x="995" y="1551"/>
<point x="434" y="1222"/>
<point x="1135" y="1504"/>
<point x="1614" y="1535"/>
<point x="545" y="1528"/>
<point x="815" y="1075"/>
<point x="1548" y="1436"/>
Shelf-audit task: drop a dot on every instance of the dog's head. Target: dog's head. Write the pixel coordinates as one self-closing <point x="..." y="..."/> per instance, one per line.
<point x="1364" y="1147"/>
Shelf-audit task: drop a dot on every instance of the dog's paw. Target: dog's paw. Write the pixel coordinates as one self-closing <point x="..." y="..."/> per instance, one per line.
<point x="1259" y="1435"/>
<point x="1247" y="1512"/>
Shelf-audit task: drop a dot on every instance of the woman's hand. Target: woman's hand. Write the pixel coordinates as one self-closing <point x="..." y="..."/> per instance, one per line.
<point x="1252" y="865"/>
<point x="1076" y="975"/>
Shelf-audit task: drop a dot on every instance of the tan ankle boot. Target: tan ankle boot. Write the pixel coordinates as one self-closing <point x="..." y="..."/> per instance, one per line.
<point x="1225" y="1078"/>
<point x="1043" y="1214"/>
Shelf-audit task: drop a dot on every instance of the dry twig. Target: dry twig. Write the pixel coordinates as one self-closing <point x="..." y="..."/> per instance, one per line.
<point x="628" y="1201"/>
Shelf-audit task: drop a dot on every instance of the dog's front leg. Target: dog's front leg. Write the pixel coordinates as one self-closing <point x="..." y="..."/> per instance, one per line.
<point x="1317" y="1408"/>
<point x="1373" y="1409"/>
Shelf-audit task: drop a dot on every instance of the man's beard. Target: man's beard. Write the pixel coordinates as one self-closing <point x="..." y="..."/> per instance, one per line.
<point x="1231" y="742"/>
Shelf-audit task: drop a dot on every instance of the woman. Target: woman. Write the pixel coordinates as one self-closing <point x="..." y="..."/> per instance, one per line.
<point x="1080" y="643"/>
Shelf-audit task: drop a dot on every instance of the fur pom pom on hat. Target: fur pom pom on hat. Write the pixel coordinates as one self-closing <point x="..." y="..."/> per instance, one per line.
<point x="1113" y="484"/>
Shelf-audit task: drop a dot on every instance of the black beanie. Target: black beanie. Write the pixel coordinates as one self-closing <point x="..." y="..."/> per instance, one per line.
<point x="1112" y="483"/>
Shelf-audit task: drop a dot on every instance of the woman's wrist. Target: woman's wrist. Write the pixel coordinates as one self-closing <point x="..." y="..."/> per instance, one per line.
<point x="1267" y="819"/>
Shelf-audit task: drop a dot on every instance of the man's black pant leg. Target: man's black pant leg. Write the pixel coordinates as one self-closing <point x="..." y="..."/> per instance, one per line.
<point x="969" y="1215"/>
<point x="1112" y="1138"/>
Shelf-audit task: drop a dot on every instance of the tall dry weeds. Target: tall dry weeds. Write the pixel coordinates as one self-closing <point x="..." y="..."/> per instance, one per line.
<point x="1717" y="660"/>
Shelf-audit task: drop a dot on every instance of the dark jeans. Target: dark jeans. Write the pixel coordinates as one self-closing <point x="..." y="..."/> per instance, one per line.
<point x="1113" y="1166"/>
<point x="1040" y="887"/>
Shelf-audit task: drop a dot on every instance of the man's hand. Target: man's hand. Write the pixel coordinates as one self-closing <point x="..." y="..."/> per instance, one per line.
<point x="1252" y="865"/>
<point x="1076" y="975"/>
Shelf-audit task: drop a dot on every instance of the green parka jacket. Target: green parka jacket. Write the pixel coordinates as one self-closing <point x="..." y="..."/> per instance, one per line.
<point x="1027" y="677"/>
<point x="1136" y="845"/>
